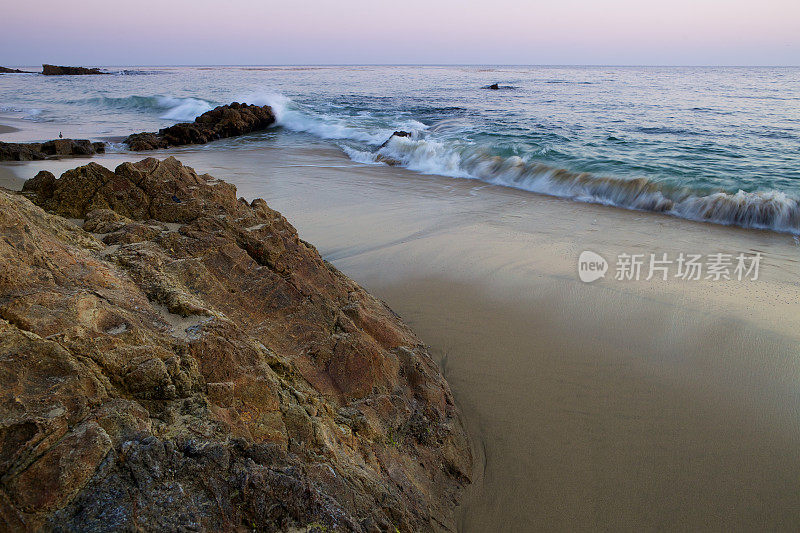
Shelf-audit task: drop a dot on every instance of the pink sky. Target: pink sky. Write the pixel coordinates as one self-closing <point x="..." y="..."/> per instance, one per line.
<point x="654" y="32"/>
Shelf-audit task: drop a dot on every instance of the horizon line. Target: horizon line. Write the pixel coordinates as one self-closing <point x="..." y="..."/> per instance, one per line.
<point x="621" y="65"/>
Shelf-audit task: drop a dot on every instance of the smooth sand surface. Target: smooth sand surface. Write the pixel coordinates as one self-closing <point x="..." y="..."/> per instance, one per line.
<point x="18" y="130"/>
<point x="8" y="179"/>
<point x="7" y="129"/>
<point x="615" y="405"/>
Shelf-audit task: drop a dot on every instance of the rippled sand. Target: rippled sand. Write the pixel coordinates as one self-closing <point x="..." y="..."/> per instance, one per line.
<point x="615" y="405"/>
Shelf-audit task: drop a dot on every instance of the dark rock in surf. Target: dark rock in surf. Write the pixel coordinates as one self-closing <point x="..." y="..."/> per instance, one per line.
<point x="386" y="160"/>
<point x="396" y="134"/>
<point x="49" y="150"/>
<point x="498" y="87"/>
<point x="219" y="123"/>
<point x="59" y="70"/>
<point x="391" y="161"/>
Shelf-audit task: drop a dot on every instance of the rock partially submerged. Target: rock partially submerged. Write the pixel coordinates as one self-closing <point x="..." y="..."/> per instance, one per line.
<point x="396" y="134"/>
<point x="186" y="362"/>
<point x="385" y="159"/>
<point x="59" y="70"/>
<point x="49" y="150"/>
<point x="6" y="70"/>
<point x="219" y="123"/>
<point x="498" y="87"/>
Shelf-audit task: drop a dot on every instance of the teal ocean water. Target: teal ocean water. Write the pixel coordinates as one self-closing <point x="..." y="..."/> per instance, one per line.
<point x="713" y="144"/>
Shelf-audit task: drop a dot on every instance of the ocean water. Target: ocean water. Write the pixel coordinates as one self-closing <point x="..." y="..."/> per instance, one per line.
<point x="713" y="144"/>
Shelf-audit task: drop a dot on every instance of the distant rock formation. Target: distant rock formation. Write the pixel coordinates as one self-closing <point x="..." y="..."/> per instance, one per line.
<point x="57" y="70"/>
<point x="49" y="150"/>
<point x="186" y="362"/>
<point x="494" y="87"/>
<point x="6" y="70"/>
<point x="219" y="123"/>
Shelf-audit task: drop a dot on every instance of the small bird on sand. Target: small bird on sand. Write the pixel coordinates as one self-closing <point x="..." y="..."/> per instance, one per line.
<point x="60" y="136"/>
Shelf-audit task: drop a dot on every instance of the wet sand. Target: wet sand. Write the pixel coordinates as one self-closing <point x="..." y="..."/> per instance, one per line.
<point x="612" y="405"/>
<point x="8" y="179"/>
<point x="18" y="130"/>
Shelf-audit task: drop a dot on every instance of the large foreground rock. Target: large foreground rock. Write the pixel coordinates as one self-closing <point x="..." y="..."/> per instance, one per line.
<point x="49" y="150"/>
<point x="59" y="70"/>
<point x="219" y="123"/>
<point x="186" y="362"/>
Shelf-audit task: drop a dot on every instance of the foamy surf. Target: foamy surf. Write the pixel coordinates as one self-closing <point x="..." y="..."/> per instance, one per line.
<point x="183" y="108"/>
<point x="772" y="210"/>
<point x="296" y="117"/>
<point x="443" y="148"/>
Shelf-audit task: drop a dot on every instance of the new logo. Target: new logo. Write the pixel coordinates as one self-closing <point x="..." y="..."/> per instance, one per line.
<point x="591" y="266"/>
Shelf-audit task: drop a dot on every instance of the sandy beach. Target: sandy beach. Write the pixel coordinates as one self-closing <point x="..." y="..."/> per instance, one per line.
<point x="616" y="405"/>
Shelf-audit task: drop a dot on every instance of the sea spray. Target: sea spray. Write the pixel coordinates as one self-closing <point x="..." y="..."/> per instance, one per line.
<point x="183" y="109"/>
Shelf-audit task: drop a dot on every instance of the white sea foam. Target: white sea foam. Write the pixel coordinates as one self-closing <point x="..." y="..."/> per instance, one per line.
<point x="182" y="109"/>
<point x="772" y="210"/>
<point x="116" y="147"/>
<point x="768" y="209"/>
<point x="360" y="156"/>
<point x="29" y="113"/>
<point x="295" y="117"/>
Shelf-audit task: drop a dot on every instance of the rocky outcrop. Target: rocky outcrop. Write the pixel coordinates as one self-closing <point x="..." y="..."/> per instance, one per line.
<point x="219" y="123"/>
<point x="6" y="70"/>
<point x="57" y="70"/>
<point x="186" y="362"/>
<point x="49" y="150"/>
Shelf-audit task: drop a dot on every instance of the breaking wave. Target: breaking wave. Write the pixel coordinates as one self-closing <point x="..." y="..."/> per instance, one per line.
<point x="167" y="107"/>
<point x="773" y="210"/>
<point x="364" y="141"/>
<point x="295" y="117"/>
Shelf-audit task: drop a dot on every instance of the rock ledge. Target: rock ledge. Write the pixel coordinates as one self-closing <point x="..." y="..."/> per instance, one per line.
<point x="59" y="70"/>
<point x="49" y="150"/>
<point x="184" y="361"/>
<point x="219" y="123"/>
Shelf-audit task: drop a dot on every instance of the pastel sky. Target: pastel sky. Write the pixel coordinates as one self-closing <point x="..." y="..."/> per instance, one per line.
<point x="616" y="32"/>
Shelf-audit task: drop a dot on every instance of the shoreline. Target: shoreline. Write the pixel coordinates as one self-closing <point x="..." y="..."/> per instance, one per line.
<point x="615" y="404"/>
<point x="769" y="209"/>
<point x="637" y="375"/>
